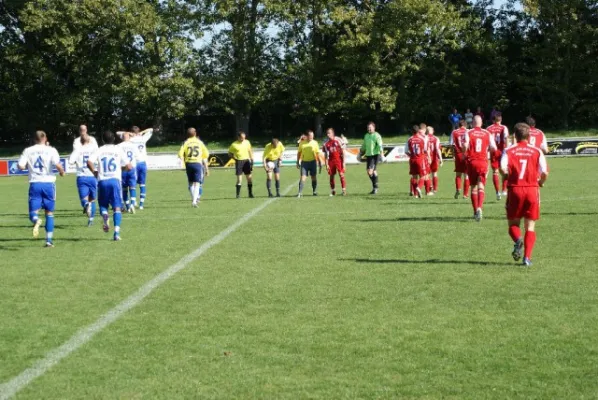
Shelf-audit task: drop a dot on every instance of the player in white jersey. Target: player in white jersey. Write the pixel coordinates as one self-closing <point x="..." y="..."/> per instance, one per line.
<point x="87" y="184"/>
<point x="82" y="136"/>
<point x="40" y="159"/>
<point x="129" y="178"/>
<point x="111" y="160"/>
<point x="140" y="138"/>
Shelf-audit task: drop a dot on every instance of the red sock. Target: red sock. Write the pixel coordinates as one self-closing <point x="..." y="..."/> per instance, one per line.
<point x="496" y="182"/>
<point x="515" y="232"/>
<point x="504" y="185"/>
<point x="529" y="242"/>
<point x="466" y="189"/>
<point x="458" y="183"/>
<point x="435" y="183"/>
<point x="420" y="183"/>
<point x="343" y="182"/>
<point x="413" y="186"/>
<point x="481" y="195"/>
<point x="474" y="200"/>
<point x="332" y="184"/>
<point x="428" y="186"/>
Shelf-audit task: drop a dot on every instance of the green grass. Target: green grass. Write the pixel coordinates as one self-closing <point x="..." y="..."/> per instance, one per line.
<point x="356" y="297"/>
<point x="260" y="142"/>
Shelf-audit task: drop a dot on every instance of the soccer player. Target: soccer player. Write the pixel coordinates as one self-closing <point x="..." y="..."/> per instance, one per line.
<point x="195" y="158"/>
<point x="478" y="142"/>
<point x="536" y="136"/>
<point x="524" y="167"/>
<point x="242" y="153"/>
<point x="83" y="134"/>
<point x="40" y="159"/>
<point x="436" y="156"/>
<point x="110" y="160"/>
<point x="308" y="161"/>
<point x="373" y="151"/>
<point x="334" y="158"/>
<point x="417" y="150"/>
<point x="272" y="160"/>
<point x="87" y="184"/>
<point x="458" y="141"/>
<point x="141" y="139"/>
<point x="501" y="138"/>
<point x="129" y="178"/>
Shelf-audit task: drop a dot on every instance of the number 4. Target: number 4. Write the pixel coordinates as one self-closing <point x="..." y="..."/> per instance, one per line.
<point x="523" y="168"/>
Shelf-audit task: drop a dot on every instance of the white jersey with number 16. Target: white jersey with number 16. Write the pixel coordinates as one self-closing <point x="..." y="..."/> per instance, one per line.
<point x="110" y="159"/>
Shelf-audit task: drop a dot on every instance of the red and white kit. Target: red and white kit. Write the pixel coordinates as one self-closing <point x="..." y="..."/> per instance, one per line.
<point x="501" y="138"/>
<point x="478" y="142"/>
<point x="458" y="141"/>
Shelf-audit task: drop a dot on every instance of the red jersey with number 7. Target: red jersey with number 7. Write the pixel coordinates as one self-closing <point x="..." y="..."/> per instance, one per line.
<point x="524" y="164"/>
<point x="477" y="142"/>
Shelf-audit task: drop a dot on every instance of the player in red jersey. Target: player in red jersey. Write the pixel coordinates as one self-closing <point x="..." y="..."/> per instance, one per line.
<point x="458" y="141"/>
<point x="524" y="166"/>
<point x="478" y="142"/>
<point x="423" y="131"/>
<point x="436" y="157"/>
<point x="501" y="138"/>
<point x="335" y="160"/>
<point x="536" y="136"/>
<point x="417" y="150"/>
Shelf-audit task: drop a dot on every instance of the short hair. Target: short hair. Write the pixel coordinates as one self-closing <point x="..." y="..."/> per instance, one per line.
<point x="135" y="129"/>
<point x="521" y="131"/>
<point x="372" y="123"/>
<point x="108" y="137"/>
<point x="423" y="125"/>
<point x="191" y="132"/>
<point x="415" y="128"/>
<point x="497" y="117"/>
<point x="310" y="131"/>
<point x="241" y="132"/>
<point x="462" y="123"/>
<point x="331" y="129"/>
<point x="531" y="121"/>
<point x="39" y="136"/>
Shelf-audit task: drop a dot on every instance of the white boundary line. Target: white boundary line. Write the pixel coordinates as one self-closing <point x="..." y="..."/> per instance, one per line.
<point x="84" y="335"/>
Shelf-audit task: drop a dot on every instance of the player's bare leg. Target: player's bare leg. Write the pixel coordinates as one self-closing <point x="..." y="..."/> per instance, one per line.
<point x="250" y="185"/>
<point x="515" y="233"/>
<point x="529" y="241"/>
<point x="496" y="182"/>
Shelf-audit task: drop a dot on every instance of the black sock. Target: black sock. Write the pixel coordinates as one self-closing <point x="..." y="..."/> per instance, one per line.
<point x="250" y="188"/>
<point x="277" y="186"/>
<point x="375" y="181"/>
<point x="238" y="187"/>
<point x="269" y="185"/>
<point x="314" y="185"/>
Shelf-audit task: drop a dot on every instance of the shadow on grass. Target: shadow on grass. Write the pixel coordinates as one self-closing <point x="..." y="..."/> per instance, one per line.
<point x="570" y="213"/>
<point x="425" y="219"/>
<point x="42" y="236"/>
<point x="431" y="261"/>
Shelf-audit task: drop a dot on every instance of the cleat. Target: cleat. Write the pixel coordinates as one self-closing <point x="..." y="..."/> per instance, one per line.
<point x="527" y="262"/>
<point x="38" y="223"/>
<point x="333" y="193"/>
<point x="238" y="196"/>
<point x="374" y="191"/>
<point x="504" y="193"/>
<point x="299" y="195"/>
<point x="430" y="194"/>
<point x="457" y="194"/>
<point x="88" y="210"/>
<point x="270" y="195"/>
<point x="344" y="192"/>
<point x="517" y="250"/>
<point x="106" y="226"/>
<point x="251" y="196"/>
<point x="194" y="205"/>
<point x="141" y="207"/>
<point x="277" y="194"/>
<point x="478" y="215"/>
<point x="49" y="244"/>
<point x="132" y="210"/>
<point x="498" y="196"/>
<point x="418" y="193"/>
<point x="315" y="193"/>
<point x="410" y="194"/>
<point x="116" y="237"/>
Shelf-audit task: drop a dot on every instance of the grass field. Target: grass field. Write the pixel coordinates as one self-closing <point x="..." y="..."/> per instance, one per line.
<point x="356" y="297"/>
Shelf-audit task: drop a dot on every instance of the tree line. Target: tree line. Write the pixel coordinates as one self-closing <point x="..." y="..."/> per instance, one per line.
<point x="279" y="66"/>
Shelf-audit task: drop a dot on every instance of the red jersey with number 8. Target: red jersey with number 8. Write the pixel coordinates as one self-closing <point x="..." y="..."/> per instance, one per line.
<point x="478" y="141"/>
<point x="524" y="164"/>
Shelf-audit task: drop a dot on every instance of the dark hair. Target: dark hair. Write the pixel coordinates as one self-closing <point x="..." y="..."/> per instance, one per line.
<point x="372" y="123"/>
<point x="415" y="128"/>
<point x="241" y="132"/>
<point x="108" y="137"/>
<point x="135" y="128"/>
<point x="521" y="131"/>
<point x="462" y="123"/>
<point x="530" y="121"/>
<point x="497" y="117"/>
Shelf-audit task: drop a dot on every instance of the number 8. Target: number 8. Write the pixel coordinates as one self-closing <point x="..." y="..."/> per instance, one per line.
<point x="478" y="145"/>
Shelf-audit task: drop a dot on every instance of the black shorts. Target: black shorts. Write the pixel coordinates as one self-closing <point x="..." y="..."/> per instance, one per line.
<point x="372" y="162"/>
<point x="243" y="167"/>
<point x="194" y="172"/>
<point x="276" y="168"/>
<point x="309" y="168"/>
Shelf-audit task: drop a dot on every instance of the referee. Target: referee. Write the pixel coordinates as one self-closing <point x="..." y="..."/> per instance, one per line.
<point x="241" y="152"/>
<point x="373" y="151"/>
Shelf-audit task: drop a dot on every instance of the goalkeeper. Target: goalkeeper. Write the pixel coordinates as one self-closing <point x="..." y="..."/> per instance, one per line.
<point x="373" y="151"/>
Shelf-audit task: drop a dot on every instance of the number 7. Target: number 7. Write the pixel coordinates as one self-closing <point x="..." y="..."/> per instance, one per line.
<point x="523" y="168"/>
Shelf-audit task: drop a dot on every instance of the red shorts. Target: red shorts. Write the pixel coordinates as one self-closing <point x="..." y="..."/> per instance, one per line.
<point x="435" y="165"/>
<point x="495" y="159"/>
<point x="418" y="167"/>
<point x="477" y="170"/>
<point x="523" y="202"/>
<point x="460" y="164"/>
<point x="335" y="168"/>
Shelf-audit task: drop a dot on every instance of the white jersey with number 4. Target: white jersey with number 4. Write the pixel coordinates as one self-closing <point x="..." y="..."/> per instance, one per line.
<point x="40" y="160"/>
<point x="80" y="157"/>
<point x="141" y="142"/>
<point x="131" y="151"/>
<point x="110" y="159"/>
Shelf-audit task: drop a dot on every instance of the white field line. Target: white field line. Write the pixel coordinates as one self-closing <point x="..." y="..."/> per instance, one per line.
<point x="84" y="335"/>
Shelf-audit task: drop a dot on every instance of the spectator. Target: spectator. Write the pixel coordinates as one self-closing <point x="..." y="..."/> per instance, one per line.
<point x="480" y="113"/>
<point x="469" y="119"/>
<point x="494" y="113"/>
<point x="454" y="119"/>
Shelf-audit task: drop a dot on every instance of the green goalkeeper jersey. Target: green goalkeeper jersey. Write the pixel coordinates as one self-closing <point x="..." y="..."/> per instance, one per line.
<point x="372" y="144"/>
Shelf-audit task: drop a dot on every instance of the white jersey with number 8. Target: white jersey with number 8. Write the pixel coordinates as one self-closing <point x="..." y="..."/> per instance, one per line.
<point x="131" y="151"/>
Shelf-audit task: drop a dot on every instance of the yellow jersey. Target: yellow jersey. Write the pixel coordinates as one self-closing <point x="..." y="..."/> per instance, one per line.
<point x="273" y="153"/>
<point x="193" y="151"/>
<point x="240" y="150"/>
<point x="309" y="150"/>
